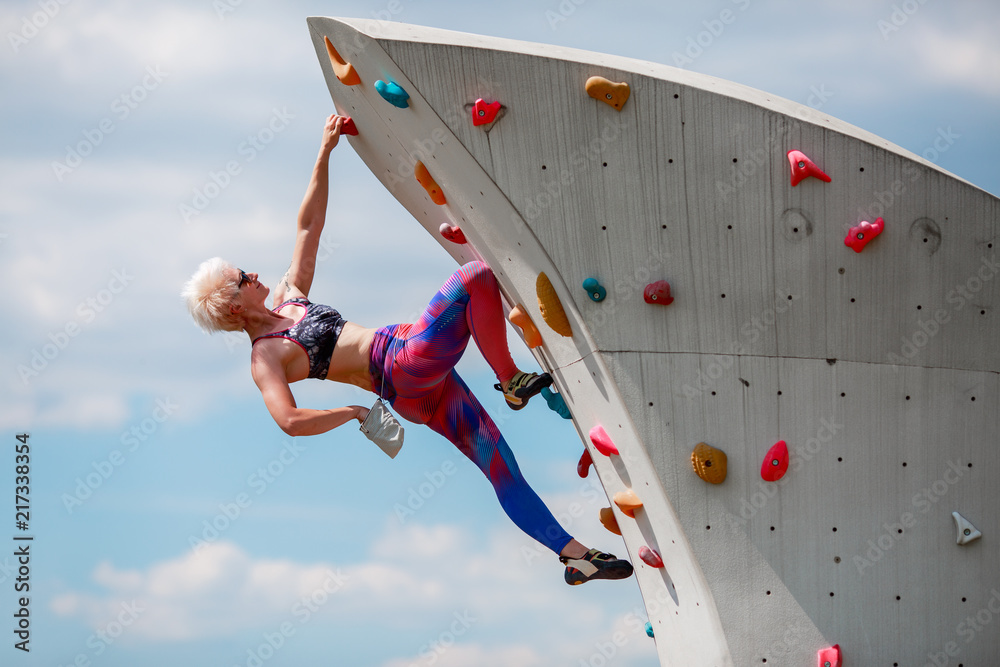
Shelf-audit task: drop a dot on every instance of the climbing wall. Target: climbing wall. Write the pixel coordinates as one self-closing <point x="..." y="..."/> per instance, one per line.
<point x="772" y="331"/>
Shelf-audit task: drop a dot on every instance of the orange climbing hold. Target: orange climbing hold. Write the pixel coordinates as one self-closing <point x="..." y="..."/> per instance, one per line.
<point x="426" y="180"/>
<point x="609" y="521"/>
<point x="650" y="557"/>
<point x="344" y="70"/>
<point x="602" y="442"/>
<point x="551" y="306"/>
<point x="829" y="657"/>
<point x="627" y="502"/>
<point x="775" y="463"/>
<point x="709" y="463"/>
<point x="520" y="319"/>
<point x="452" y="233"/>
<point x="609" y="92"/>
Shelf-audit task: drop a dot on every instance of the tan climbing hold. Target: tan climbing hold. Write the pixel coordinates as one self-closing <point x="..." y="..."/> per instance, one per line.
<point x="344" y="70"/>
<point x="551" y="306"/>
<point x="609" y="92"/>
<point x="709" y="463"/>
<point x="426" y="180"/>
<point x="627" y="502"/>
<point x="520" y="319"/>
<point x="609" y="521"/>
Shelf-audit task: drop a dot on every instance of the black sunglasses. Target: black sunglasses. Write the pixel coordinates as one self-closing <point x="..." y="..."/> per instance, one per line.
<point x="244" y="278"/>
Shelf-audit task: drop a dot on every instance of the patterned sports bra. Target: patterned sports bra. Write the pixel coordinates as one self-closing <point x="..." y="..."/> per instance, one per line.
<point x="316" y="333"/>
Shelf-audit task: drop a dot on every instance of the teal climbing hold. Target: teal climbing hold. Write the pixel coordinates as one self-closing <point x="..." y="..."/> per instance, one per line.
<point x="392" y="93"/>
<point x="595" y="290"/>
<point x="556" y="403"/>
<point x="649" y="629"/>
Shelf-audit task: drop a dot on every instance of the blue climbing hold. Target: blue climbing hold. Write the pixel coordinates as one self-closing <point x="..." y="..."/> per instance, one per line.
<point x="594" y="289"/>
<point x="649" y="629"/>
<point x="392" y="93"/>
<point x="556" y="403"/>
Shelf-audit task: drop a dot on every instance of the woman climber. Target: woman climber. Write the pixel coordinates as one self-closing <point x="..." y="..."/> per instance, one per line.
<point x="409" y="365"/>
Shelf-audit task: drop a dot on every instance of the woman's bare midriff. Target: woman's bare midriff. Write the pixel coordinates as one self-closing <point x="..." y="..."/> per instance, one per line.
<point x="350" y="359"/>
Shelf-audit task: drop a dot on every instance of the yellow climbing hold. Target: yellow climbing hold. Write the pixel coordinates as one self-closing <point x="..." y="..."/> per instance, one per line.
<point x="609" y="92"/>
<point x="520" y="319"/>
<point x="551" y="307"/>
<point x="344" y="70"/>
<point x="426" y="180"/>
<point x="709" y="463"/>
<point x="627" y="502"/>
<point x="609" y="521"/>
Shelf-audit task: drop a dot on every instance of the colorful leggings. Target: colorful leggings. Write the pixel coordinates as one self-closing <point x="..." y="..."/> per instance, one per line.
<point x="417" y="364"/>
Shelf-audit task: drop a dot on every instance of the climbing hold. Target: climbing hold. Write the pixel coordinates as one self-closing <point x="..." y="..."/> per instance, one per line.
<point x="829" y="657"/>
<point x="649" y="629"/>
<point x="627" y="502"/>
<point x="583" y="466"/>
<point x="519" y="318"/>
<point x="609" y="92"/>
<point x="551" y="307"/>
<point x="775" y="463"/>
<point x="594" y="289"/>
<point x="709" y="463"/>
<point x="658" y="293"/>
<point x="650" y="557"/>
<point x="392" y="93"/>
<point x="803" y="167"/>
<point x="966" y="531"/>
<point x="602" y="442"/>
<point x="426" y="180"/>
<point x="483" y="113"/>
<point x="348" y="127"/>
<point x="609" y="521"/>
<point x="860" y="235"/>
<point x="452" y="233"/>
<point x="556" y="403"/>
<point x="343" y="70"/>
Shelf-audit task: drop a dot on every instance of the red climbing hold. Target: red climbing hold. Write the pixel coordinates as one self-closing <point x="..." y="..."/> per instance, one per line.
<point x="601" y="441"/>
<point x="775" y="463"/>
<point x="348" y="127"/>
<point x="452" y="233"/>
<point x="803" y="167"/>
<point x="860" y="235"/>
<point x="650" y="557"/>
<point x="483" y="113"/>
<point x="829" y="657"/>
<point x="583" y="467"/>
<point x="658" y="293"/>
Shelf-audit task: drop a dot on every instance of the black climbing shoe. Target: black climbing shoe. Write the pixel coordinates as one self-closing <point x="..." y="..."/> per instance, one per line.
<point x="522" y="387"/>
<point x="595" y="565"/>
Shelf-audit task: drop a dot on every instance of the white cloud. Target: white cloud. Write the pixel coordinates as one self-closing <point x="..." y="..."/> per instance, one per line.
<point x="966" y="58"/>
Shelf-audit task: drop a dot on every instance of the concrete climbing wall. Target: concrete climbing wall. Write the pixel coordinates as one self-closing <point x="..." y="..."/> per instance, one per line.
<point x="878" y="368"/>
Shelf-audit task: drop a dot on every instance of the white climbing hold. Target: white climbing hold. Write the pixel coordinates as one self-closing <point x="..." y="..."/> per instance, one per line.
<point x="966" y="531"/>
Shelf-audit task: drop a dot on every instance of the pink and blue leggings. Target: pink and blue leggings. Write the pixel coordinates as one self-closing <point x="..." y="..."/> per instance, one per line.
<point x="417" y="362"/>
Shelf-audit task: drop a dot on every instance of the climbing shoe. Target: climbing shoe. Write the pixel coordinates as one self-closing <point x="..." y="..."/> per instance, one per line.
<point x="522" y="387"/>
<point x="595" y="565"/>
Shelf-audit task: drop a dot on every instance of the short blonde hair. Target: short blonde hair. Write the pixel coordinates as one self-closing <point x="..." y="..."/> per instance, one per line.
<point x="209" y="294"/>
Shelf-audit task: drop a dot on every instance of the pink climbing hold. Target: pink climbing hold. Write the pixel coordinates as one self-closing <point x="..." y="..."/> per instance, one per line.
<point x="658" y="293"/>
<point x="601" y="441"/>
<point x="775" y="463"/>
<point x="583" y="466"/>
<point x="650" y="557"/>
<point x="829" y="657"/>
<point x="483" y="113"/>
<point x="452" y="233"/>
<point x="348" y="127"/>
<point x="860" y="235"/>
<point x="803" y="168"/>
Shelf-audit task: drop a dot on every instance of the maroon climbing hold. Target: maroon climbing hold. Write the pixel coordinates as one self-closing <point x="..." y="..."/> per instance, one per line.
<point x="860" y="235"/>
<point x="650" y="557"/>
<point x="829" y="657"/>
<point x="658" y="293"/>
<point x="452" y="233"/>
<point x="803" y="167"/>
<point x="583" y="467"/>
<point x="348" y="127"/>
<point x="775" y="463"/>
<point x="483" y="113"/>
<point x="601" y="441"/>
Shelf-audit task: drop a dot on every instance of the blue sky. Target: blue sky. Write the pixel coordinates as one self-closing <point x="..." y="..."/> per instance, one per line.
<point x="174" y="523"/>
